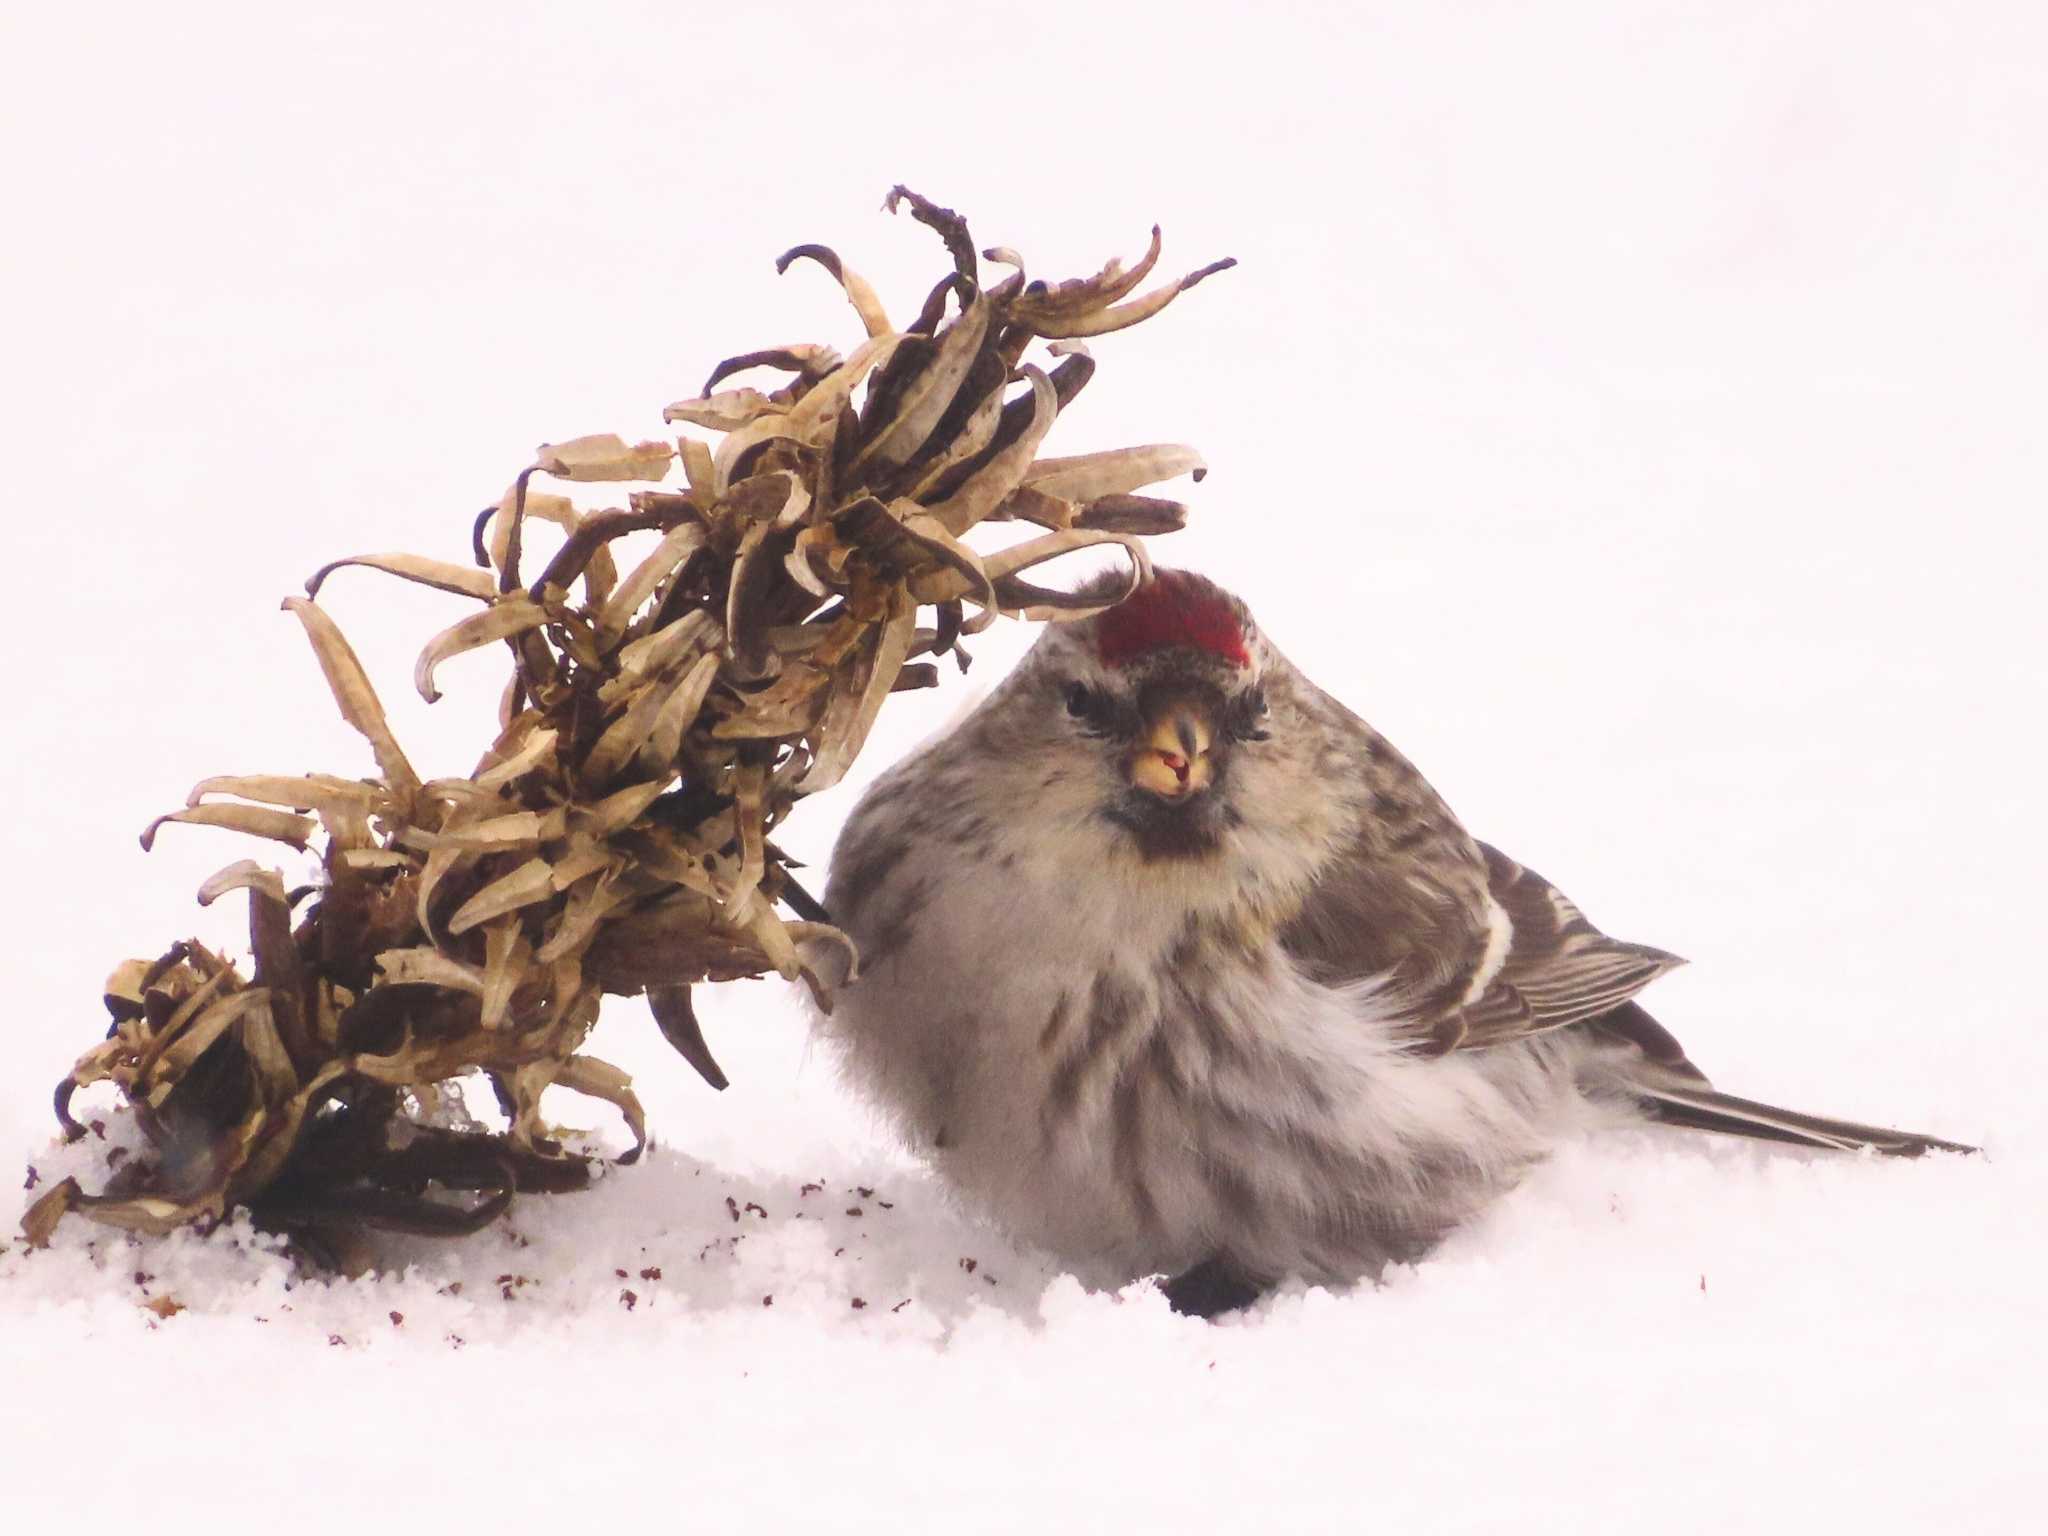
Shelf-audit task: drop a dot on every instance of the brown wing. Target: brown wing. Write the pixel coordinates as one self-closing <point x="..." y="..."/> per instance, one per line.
<point x="1490" y="954"/>
<point x="1558" y="968"/>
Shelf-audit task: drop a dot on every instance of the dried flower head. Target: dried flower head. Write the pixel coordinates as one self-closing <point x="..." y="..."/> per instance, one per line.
<point x="657" y="725"/>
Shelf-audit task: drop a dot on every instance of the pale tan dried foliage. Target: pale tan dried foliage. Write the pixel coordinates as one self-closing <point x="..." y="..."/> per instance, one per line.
<point x="659" y="722"/>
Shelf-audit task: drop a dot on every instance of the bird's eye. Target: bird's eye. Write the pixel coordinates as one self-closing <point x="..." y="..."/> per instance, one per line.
<point x="1248" y="719"/>
<point x="1080" y="700"/>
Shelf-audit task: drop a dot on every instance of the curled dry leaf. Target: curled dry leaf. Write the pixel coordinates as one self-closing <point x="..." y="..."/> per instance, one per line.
<point x="585" y="857"/>
<point x="1089" y="476"/>
<point x="305" y="792"/>
<point x="677" y="1021"/>
<point x="815" y="416"/>
<point x="375" y="858"/>
<point x="618" y="810"/>
<point x="976" y="432"/>
<point x="636" y="724"/>
<point x="985" y="489"/>
<point x="725" y="411"/>
<point x="695" y="633"/>
<point x="1028" y="504"/>
<point x="926" y="398"/>
<point x="256" y="820"/>
<point x="512" y="616"/>
<point x="807" y="358"/>
<point x="521" y="503"/>
<point x="530" y="882"/>
<point x="605" y="456"/>
<point x="868" y="675"/>
<point x="733" y="459"/>
<point x="532" y="755"/>
<point x="243" y="874"/>
<point x="602" y="1080"/>
<point x="506" y="952"/>
<point x="679" y="710"/>
<point x="428" y="967"/>
<point x="697" y="468"/>
<point x="464" y="580"/>
<point x="655" y="729"/>
<point x="1134" y="514"/>
<point x="591" y="901"/>
<point x="350" y="685"/>
<point x="515" y="829"/>
<point x="676" y="546"/>
<point x="1082" y="296"/>
<point x="858" y="290"/>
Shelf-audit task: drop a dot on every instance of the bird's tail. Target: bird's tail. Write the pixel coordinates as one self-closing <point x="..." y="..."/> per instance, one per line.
<point x="1700" y="1108"/>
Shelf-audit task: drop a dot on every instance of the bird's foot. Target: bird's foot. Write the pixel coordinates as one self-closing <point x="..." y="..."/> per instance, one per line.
<point x="1212" y="1287"/>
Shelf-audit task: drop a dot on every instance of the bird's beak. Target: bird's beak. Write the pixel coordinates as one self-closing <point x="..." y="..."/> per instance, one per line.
<point x="1171" y="758"/>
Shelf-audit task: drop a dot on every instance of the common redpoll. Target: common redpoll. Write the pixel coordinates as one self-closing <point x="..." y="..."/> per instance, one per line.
<point x="1175" y="966"/>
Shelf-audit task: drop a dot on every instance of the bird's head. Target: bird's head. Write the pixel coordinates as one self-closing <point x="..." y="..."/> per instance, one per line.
<point x="1144" y="718"/>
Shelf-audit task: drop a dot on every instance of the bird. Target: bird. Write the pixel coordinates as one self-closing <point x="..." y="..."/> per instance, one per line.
<point x="1173" y="966"/>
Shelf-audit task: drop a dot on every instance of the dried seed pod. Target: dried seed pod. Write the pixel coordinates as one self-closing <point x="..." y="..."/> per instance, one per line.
<point x="656" y="728"/>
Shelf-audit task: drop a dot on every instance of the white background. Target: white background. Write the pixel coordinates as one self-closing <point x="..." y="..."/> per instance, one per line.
<point x="1634" y="410"/>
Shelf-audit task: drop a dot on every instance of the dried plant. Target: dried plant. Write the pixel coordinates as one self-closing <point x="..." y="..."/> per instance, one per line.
<point x="658" y="725"/>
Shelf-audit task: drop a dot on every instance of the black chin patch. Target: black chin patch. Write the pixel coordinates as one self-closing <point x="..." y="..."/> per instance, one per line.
<point x="1164" y="829"/>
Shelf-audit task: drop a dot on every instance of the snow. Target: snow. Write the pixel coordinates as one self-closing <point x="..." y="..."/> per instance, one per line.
<point x="1643" y="404"/>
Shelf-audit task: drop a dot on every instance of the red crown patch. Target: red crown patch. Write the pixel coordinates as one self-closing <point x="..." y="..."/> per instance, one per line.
<point x="1175" y="608"/>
